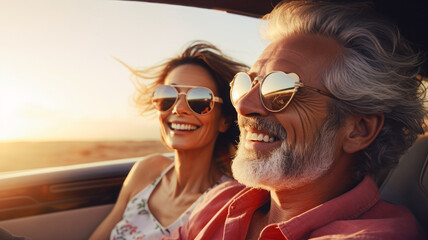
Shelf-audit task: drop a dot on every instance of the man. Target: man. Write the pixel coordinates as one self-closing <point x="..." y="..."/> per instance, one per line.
<point x="332" y="101"/>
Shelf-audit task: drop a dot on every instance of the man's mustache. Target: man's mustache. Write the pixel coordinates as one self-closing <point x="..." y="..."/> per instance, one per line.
<point x="268" y="126"/>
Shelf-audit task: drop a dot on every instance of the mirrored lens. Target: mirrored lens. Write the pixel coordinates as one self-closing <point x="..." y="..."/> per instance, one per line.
<point x="241" y="86"/>
<point x="164" y="97"/>
<point x="277" y="90"/>
<point x="200" y="100"/>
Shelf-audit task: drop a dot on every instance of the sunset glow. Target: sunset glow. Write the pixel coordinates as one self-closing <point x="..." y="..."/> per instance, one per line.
<point x="59" y="81"/>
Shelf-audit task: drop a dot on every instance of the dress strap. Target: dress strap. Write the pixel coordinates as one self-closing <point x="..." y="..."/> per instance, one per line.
<point x="155" y="182"/>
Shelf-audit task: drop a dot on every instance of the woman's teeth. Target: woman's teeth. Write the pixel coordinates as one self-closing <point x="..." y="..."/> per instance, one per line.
<point x="183" y="127"/>
<point x="259" y="137"/>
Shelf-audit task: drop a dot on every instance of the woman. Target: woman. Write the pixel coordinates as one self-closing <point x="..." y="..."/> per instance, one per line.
<point x="191" y="95"/>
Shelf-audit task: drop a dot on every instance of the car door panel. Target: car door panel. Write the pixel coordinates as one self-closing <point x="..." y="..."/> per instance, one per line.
<point x="72" y="198"/>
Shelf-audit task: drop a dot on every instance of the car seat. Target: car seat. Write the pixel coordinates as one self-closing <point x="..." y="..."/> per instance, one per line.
<point x="407" y="184"/>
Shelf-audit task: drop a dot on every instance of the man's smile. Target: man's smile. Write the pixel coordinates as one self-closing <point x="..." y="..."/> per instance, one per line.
<point x="259" y="137"/>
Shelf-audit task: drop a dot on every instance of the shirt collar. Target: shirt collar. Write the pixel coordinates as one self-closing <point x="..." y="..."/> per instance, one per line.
<point x="349" y="205"/>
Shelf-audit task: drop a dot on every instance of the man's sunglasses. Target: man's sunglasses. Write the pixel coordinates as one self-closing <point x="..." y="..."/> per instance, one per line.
<point x="199" y="99"/>
<point x="277" y="89"/>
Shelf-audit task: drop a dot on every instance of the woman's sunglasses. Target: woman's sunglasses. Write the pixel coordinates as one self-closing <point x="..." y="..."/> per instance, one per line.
<point x="199" y="99"/>
<point x="277" y="89"/>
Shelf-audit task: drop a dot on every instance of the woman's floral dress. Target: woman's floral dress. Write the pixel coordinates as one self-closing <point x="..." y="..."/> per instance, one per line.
<point x="138" y="222"/>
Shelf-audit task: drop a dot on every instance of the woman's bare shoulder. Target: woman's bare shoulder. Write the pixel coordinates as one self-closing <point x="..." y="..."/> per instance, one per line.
<point x="145" y="171"/>
<point x="153" y="164"/>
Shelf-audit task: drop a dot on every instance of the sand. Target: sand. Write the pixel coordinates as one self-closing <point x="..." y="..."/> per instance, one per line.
<point x="30" y="155"/>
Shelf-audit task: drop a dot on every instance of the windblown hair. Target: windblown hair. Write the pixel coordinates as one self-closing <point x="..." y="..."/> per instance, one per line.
<point x="377" y="72"/>
<point x="221" y="68"/>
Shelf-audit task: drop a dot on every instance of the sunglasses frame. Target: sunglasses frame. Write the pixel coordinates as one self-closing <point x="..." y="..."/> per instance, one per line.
<point x="214" y="99"/>
<point x="297" y="84"/>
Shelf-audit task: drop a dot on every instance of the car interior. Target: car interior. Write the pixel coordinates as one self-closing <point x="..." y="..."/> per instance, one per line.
<point x="407" y="184"/>
<point x="70" y="202"/>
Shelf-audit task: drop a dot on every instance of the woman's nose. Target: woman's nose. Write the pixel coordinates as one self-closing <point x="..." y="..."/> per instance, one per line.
<point x="181" y="106"/>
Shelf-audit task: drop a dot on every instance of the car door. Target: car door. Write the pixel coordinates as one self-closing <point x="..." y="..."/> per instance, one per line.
<point x="60" y="202"/>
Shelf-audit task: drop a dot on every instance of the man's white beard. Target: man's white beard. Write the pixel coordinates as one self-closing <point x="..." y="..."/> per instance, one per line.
<point x="285" y="167"/>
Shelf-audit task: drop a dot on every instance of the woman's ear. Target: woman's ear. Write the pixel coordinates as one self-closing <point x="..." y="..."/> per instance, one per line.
<point x="360" y="131"/>
<point x="224" y="124"/>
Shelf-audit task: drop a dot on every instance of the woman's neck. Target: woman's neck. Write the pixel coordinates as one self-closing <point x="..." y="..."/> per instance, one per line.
<point x="194" y="171"/>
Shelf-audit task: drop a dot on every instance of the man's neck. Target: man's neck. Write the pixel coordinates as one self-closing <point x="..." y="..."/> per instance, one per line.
<point x="288" y="203"/>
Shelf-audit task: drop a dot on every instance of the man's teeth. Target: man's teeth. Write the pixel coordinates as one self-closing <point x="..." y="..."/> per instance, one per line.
<point x="259" y="137"/>
<point x="185" y="127"/>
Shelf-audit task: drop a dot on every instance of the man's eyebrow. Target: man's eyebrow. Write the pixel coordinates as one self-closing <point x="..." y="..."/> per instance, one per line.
<point x="252" y="75"/>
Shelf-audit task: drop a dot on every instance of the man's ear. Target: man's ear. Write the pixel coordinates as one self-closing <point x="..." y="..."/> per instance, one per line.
<point x="224" y="124"/>
<point x="360" y="131"/>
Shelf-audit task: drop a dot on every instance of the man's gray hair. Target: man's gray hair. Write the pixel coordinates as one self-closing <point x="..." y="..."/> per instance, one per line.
<point x="378" y="72"/>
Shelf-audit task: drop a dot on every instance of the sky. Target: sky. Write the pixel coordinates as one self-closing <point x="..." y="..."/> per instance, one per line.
<point x="60" y="82"/>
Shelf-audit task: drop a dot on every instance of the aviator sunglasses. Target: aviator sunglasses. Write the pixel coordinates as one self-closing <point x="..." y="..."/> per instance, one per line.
<point x="199" y="99"/>
<point x="277" y="89"/>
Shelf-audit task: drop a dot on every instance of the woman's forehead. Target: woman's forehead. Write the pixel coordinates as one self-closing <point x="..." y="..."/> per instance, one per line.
<point x="192" y="75"/>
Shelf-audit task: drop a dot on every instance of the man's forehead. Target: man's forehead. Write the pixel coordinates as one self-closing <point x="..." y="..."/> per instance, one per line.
<point x="275" y="58"/>
<point x="297" y="51"/>
<point x="280" y="52"/>
<point x="281" y="55"/>
<point x="280" y="49"/>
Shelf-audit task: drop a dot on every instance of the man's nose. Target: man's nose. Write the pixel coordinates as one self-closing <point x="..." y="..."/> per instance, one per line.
<point x="250" y="104"/>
